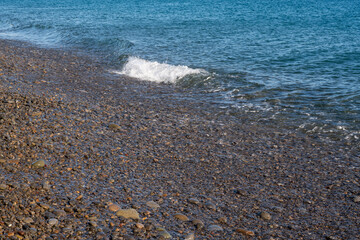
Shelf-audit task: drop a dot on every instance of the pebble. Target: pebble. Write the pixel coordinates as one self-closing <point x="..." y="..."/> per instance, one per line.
<point x="139" y="225"/>
<point x="198" y="224"/>
<point x="38" y="164"/>
<point x="245" y="232"/>
<point x="210" y="205"/>
<point x="302" y="210"/>
<point x="194" y="201"/>
<point x="114" y="127"/>
<point x="222" y="220"/>
<point x="28" y="220"/>
<point x="128" y="213"/>
<point x="114" y="207"/>
<point x="153" y="205"/>
<point x="53" y="221"/>
<point x="60" y="213"/>
<point x="357" y="199"/>
<point x="14" y="185"/>
<point x="164" y="234"/>
<point x="240" y="192"/>
<point x="181" y="217"/>
<point x="215" y="228"/>
<point x="265" y="215"/>
<point x="46" y="185"/>
<point x="3" y="186"/>
<point x="190" y="236"/>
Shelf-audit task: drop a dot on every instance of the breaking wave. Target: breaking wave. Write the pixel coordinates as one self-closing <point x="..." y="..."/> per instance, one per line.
<point x="157" y="72"/>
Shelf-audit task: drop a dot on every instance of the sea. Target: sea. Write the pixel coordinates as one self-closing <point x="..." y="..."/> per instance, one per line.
<point x="288" y="63"/>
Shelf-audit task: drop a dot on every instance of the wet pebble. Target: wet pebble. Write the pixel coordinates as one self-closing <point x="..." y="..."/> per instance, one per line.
<point x="357" y="199"/>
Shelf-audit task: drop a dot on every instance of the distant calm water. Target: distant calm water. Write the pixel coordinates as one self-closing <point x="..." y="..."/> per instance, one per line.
<point x="296" y="63"/>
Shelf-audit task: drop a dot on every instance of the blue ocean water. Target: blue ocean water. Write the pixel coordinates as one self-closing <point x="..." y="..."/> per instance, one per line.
<point x="295" y="63"/>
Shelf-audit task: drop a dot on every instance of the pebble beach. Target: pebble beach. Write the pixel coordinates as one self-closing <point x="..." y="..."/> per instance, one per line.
<point x="86" y="154"/>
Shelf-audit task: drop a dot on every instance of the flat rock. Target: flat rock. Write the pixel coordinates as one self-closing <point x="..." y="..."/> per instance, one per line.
<point x="190" y="236"/>
<point x="357" y="199"/>
<point x="245" y="232"/>
<point x="3" y="186"/>
<point x="28" y="220"/>
<point x="153" y="205"/>
<point x="194" y="201"/>
<point x="164" y="234"/>
<point x="181" y="217"/>
<point x="215" y="228"/>
<point x="128" y="213"/>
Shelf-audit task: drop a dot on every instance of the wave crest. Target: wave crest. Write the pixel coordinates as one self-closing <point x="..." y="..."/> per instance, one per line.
<point x="157" y="72"/>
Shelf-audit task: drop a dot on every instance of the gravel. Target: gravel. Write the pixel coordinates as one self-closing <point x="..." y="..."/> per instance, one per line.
<point x="105" y="139"/>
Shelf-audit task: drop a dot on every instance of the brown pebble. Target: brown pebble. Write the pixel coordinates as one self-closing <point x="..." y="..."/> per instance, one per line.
<point x="245" y="232"/>
<point x="181" y="217"/>
<point x="114" y="207"/>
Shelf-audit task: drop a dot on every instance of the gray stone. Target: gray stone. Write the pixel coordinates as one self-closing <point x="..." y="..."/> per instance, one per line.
<point x="164" y="234"/>
<point x="357" y="199"/>
<point x="194" y="201"/>
<point x="53" y="221"/>
<point x="210" y="205"/>
<point x="215" y="228"/>
<point x="28" y="220"/>
<point x="190" y="236"/>
<point x="153" y="205"/>
<point x="60" y="213"/>
<point x="46" y="185"/>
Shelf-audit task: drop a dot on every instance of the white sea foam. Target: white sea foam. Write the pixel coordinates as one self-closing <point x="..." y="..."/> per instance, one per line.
<point x="155" y="71"/>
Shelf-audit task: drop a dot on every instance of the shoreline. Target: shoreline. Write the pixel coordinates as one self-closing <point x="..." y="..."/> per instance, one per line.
<point x="129" y="144"/>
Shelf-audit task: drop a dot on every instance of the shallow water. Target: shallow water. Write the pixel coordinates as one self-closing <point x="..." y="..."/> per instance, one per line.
<point x="293" y="63"/>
